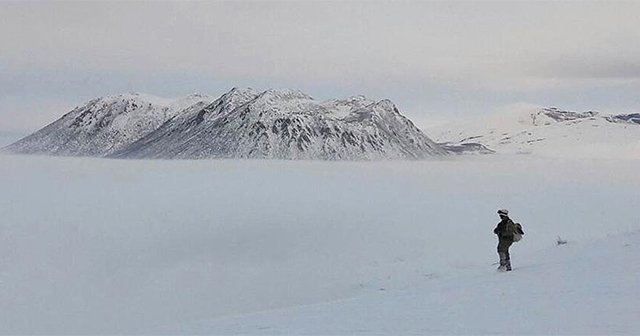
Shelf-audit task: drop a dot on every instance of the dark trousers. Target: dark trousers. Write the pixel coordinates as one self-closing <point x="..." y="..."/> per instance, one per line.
<point x="503" y="251"/>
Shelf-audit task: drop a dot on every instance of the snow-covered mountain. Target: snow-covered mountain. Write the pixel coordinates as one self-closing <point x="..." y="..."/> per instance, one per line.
<point x="550" y="132"/>
<point x="105" y="125"/>
<point x="287" y="124"/>
<point x="242" y="123"/>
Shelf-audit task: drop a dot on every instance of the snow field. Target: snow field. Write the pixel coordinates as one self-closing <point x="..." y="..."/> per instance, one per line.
<point x="577" y="289"/>
<point x="117" y="246"/>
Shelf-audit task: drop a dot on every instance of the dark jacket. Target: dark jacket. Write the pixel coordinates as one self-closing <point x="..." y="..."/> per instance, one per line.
<point x="505" y="228"/>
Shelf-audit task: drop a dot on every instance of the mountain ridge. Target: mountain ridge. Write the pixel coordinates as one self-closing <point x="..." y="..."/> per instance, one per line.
<point x="287" y="124"/>
<point x="241" y="123"/>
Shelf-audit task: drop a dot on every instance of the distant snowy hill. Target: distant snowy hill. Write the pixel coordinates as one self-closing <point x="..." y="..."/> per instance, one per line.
<point x="105" y="125"/>
<point x="549" y="132"/>
<point x="242" y="123"/>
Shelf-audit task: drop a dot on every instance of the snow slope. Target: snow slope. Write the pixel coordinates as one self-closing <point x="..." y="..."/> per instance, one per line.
<point x="578" y="289"/>
<point x="549" y="132"/>
<point x="92" y="246"/>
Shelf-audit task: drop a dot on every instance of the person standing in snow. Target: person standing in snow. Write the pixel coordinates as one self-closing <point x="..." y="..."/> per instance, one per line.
<point x="505" y="230"/>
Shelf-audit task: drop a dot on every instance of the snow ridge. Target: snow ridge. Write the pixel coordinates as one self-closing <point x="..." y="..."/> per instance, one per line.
<point x="549" y="131"/>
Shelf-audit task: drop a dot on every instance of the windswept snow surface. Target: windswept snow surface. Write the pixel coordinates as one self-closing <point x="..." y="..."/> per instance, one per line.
<point x="578" y="289"/>
<point x="122" y="246"/>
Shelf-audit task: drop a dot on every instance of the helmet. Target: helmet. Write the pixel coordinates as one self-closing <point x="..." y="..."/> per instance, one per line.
<point x="503" y="212"/>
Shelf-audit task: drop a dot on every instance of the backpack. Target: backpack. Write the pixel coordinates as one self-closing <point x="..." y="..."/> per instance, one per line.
<point x="517" y="232"/>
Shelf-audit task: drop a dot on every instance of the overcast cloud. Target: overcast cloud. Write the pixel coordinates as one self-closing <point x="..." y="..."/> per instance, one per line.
<point x="434" y="59"/>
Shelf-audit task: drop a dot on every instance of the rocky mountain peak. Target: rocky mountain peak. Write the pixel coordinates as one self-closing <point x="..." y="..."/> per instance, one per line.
<point x="242" y="123"/>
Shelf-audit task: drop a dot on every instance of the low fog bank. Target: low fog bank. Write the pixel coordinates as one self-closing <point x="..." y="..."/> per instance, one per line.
<point x="116" y="246"/>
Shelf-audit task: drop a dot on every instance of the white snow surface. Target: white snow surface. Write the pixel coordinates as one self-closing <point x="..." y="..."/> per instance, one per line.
<point x="577" y="289"/>
<point x="96" y="246"/>
<point x="550" y="132"/>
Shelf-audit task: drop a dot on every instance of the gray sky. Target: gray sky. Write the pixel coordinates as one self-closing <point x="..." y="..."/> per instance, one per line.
<point x="436" y="60"/>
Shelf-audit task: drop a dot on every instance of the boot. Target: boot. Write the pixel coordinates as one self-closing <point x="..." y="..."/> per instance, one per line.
<point x="508" y="265"/>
